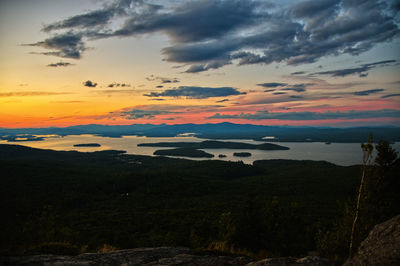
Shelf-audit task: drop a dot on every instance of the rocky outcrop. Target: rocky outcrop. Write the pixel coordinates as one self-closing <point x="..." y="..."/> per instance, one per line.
<point x="306" y="261"/>
<point x="139" y="256"/>
<point x="156" y="256"/>
<point x="381" y="247"/>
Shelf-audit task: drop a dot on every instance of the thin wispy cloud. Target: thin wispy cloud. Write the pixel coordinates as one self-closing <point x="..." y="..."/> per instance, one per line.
<point x="367" y="92"/>
<point x="391" y="95"/>
<point x="192" y="92"/>
<point x="272" y="84"/>
<point x="296" y="88"/>
<point x="112" y="85"/>
<point x="350" y="115"/>
<point x="162" y="80"/>
<point x="361" y="71"/>
<point x="222" y="101"/>
<point x="140" y="114"/>
<point x="114" y="91"/>
<point x="30" y="93"/>
<point x="60" y="64"/>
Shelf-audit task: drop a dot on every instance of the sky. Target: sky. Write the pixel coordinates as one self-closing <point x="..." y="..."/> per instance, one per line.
<point x="299" y="63"/>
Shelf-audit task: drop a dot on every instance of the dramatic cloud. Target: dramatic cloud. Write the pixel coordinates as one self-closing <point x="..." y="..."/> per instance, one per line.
<point x="209" y="34"/>
<point x="67" y="45"/>
<point x="29" y="93"/>
<point x="196" y="92"/>
<point x="193" y="21"/>
<point x="97" y="18"/>
<point x="62" y="64"/>
<point x="147" y="114"/>
<point x="350" y="115"/>
<point x="91" y="19"/>
<point x="272" y="84"/>
<point x="89" y="83"/>
<point x="391" y="95"/>
<point x="361" y="70"/>
<point x="367" y="92"/>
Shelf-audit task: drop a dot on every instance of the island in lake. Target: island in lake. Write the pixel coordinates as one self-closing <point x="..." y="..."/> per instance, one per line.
<point x="212" y="144"/>
<point x="184" y="152"/>
<point x="21" y="138"/>
<point x="88" y="145"/>
<point x="242" y="154"/>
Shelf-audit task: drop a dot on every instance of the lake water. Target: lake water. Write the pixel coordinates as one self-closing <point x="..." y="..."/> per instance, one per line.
<point x="337" y="153"/>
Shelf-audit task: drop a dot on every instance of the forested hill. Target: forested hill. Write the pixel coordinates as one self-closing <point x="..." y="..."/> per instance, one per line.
<point x="71" y="202"/>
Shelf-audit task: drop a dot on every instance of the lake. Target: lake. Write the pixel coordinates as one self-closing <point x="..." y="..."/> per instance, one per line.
<point x="338" y="153"/>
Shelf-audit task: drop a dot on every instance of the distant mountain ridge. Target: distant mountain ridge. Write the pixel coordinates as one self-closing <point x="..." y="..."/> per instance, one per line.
<point x="220" y="131"/>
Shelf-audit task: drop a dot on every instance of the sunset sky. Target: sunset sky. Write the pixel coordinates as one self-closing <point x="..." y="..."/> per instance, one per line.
<point x="315" y="63"/>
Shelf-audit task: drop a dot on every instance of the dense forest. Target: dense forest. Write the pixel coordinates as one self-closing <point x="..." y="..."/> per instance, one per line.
<point x="73" y="202"/>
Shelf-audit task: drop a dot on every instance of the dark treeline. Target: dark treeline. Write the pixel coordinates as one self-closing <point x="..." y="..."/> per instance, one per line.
<point x="71" y="202"/>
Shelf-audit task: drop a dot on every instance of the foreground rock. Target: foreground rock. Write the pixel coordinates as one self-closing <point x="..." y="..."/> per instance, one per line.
<point x="156" y="256"/>
<point x="381" y="247"/>
<point x="139" y="256"/>
<point x="306" y="261"/>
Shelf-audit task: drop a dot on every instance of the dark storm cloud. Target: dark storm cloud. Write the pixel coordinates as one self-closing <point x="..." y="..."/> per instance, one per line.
<point x="272" y="84"/>
<point x="147" y="114"/>
<point x="361" y="70"/>
<point x="60" y="64"/>
<point x="191" y="92"/>
<point x="350" y="115"/>
<point x="209" y="34"/>
<point x="89" y="83"/>
<point x="194" y="21"/>
<point x="367" y="92"/>
<point x="391" y="95"/>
